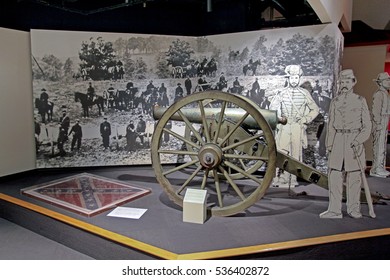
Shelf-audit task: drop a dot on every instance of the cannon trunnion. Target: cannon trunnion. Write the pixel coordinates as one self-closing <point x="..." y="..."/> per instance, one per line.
<point x="220" y="140"/>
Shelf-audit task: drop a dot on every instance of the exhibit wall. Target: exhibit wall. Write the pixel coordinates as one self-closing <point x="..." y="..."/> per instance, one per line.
<point x="127" y="73"/>
<point x="367" y="62"/>
<point x="17" y="148"/>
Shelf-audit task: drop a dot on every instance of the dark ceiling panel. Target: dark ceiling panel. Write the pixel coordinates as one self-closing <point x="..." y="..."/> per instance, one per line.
<point x="169" y="17"/>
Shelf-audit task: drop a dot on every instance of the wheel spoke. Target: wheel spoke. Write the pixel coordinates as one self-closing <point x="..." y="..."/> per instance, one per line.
<point x="239" y="143"/>
<point x="232" y="166"/>
<point x="189" y="179"/>
<point x="189" y="125"/>
<point x="204" y="181"/>
<point x="181" y="138"/>
<point x="243" y="165"/>
<point x="180" y="167"/>
<point x="177" y="152"/>
<point x="218" y="188"/>
<point x="220" y="119"/>
<point x="248" y="157"/>
<point x="232" y="183"/>
<point x="237" y="125"/>
<point x="204" y="121"/>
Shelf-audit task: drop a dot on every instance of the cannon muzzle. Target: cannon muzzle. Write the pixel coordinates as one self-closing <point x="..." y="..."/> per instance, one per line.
<point x="231" y="114"/>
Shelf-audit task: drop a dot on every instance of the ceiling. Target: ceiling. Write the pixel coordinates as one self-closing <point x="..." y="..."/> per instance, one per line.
<point x="178" y="17"/>
<point x="289" y="8"/>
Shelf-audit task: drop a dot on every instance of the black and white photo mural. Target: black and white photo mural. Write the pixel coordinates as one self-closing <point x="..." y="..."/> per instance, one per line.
<point x="93" y="92"/>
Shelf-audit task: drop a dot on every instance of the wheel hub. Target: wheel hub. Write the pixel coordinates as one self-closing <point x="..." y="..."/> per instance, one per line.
<point x="210" y="156"/>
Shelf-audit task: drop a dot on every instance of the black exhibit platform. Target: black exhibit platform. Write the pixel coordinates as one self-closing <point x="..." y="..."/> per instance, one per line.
<point x="279" y="226"/>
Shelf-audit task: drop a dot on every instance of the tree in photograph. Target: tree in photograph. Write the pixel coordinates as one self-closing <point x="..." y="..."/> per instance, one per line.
<point x="204" y="45"/>
<point x="162" y="67"/>
<point x="244" y="55"/>
<point x="95" y="55"/>
<point x="327" y="49"/>
<point x="259" y="52"/>
<point x="132" y="44"/>
<point x="275" y="62"/>
<point x="49" y="68"/>
<point x="179" y="53"/>
<point x="302" y="50"/>
<point x="135" y="69"/>
<point x="68" y="68"/>
<point x="120" y="47"/>
<point x="130" y="66"/>
<point x="141" y="44"/>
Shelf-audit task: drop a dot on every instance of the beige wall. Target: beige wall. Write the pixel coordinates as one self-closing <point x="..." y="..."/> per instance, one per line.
<point x="17" y="148"/>
<point x="366" y="62"/>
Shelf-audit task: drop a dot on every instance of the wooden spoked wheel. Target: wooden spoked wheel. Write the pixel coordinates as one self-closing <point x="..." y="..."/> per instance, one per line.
<point x="219" y="146"/>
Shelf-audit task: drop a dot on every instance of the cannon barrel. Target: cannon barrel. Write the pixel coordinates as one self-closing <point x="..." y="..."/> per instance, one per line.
<point x="233" y="114"/>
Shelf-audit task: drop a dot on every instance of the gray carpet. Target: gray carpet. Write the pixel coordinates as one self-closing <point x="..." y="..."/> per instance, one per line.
<point x="275" y="218"/>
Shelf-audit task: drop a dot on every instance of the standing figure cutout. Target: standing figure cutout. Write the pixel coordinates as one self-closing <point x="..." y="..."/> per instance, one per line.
<point x="296" y="105"/>
<point x="380" y="119"/>
<point x="349" y="127"/>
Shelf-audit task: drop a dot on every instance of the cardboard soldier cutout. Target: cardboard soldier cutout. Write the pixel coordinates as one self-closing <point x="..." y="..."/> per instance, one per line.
<point x="349" y="127"/>
<point x="380" y="119"/>
<point x="297" y="105"/>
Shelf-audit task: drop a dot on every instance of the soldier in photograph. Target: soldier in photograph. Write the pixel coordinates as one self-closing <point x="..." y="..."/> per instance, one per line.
<point x="105" y="132"/>
<point x="150" y="87"/>
<point x="65" y="123"/>
<point x="203" y="84"/>
<point x="255" y="86"/>
<point x="77" y="132"/>
<point x="256" y="94"/>
<point x="237" y="88"/>
<point x="61" y="140"/>
<point x="130" y="137"/>
<point x="178" y="92"/>
<point x="188" y="85"/>
<point x="110" y="96"/>
<point x="90" y="92"/>
<point x="380" y="120"/>
<point x="44" y="103"/>
<point x="37" y="130"/>
<point x="296" y="105"/>
<point x="317" y="92"/>
<point x="141" y="128"/>
<point x="44" y="97"/>
<point x="348" y="128"/>
<point x="222" y="82"/>
<point x="164" y="100"/>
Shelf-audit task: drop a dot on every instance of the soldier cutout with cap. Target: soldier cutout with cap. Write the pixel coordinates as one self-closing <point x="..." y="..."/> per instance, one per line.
<point x="349" y="127"/>
<point x="380" y="119"/>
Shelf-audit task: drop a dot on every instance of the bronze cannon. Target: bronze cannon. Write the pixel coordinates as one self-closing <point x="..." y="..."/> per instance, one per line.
<point x="221" y="140"/>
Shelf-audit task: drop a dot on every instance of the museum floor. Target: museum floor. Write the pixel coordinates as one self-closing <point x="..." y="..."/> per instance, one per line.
<point x="279" y="226"/>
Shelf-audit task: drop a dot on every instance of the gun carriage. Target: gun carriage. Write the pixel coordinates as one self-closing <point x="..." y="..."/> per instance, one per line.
<point x="221" y="141"/>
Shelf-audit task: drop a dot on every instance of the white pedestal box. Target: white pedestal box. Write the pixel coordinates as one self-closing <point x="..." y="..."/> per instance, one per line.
<point x="194" y="206"/>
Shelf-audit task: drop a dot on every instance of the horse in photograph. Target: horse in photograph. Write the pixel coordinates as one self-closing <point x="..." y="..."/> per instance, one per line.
<point x="149" y="98"/>
<point x="210" y="69"/>
<point x="45" y="109"/>
<point x="87" y="103"/>
<point x="122" y="99"/>
<point x="251" y="67"/>
<point x="258" y="96"/>
<point x="134" y="98"/>
<point x="190" y="70"/>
